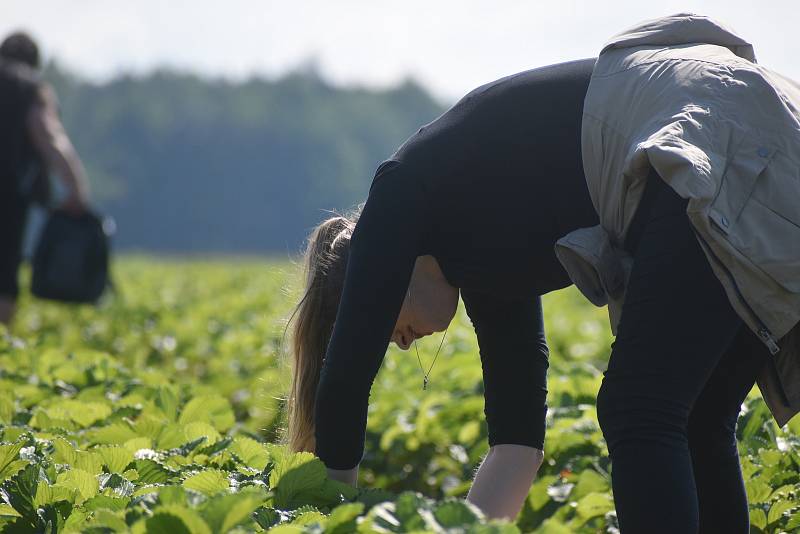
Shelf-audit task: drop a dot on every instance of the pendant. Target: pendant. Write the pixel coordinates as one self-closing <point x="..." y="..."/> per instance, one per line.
<point x="424" y="383"/>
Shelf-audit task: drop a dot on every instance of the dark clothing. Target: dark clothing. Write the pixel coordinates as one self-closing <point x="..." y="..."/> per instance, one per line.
<point x="487" y="189"/>
<point x="681" y="366"/>
<point x="19" y="164"/>
<point x="13" y="214"/>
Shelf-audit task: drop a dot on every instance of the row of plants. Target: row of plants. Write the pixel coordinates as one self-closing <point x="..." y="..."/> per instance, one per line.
<point x="161" y="410"/>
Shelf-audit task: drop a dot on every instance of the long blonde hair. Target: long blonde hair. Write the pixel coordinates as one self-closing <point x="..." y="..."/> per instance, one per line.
<point x="325" y="262"/>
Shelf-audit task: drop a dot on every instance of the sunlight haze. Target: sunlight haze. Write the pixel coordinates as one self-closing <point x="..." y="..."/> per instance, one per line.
<point x="449" y="46"/>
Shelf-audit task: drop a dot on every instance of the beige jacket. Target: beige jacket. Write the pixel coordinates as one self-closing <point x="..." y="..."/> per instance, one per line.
<point x="684" y="95"/>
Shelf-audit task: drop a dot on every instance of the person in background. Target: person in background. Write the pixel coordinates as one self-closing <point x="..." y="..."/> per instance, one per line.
<point x="33" y="144"/>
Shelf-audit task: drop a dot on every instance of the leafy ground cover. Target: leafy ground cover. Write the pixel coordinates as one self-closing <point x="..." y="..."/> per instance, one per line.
<point x="160" y="411"/>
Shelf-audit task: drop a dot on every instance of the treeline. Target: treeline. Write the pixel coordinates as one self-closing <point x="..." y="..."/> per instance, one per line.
<point x="186" y="164"/>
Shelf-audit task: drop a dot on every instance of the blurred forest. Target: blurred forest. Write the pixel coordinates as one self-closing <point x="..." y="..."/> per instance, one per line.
<point x="188" y="164"/>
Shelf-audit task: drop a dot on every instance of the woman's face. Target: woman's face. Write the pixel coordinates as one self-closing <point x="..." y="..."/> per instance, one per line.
<point x="429" y="305"/>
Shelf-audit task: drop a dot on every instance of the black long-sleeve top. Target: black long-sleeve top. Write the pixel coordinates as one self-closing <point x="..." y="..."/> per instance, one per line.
<point x="487" y="189"/>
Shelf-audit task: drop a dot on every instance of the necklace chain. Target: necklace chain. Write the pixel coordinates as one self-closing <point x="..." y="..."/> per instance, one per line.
<point x="426" y="375"/>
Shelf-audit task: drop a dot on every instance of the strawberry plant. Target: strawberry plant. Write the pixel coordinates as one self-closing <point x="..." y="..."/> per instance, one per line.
<point x="161" y="410"/>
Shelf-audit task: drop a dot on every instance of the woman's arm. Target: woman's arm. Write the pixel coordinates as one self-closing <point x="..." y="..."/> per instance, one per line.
<point x="514" y="357"/>
<point x="53" y="144"/>
<point x="383" y="249"/>
<point x="504" y="479"/>
<point x="348" y="476"/>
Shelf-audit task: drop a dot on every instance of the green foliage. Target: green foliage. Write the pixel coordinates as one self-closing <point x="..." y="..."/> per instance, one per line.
<point x="231" y="167"/>
<point x="208" y="482"/>
<point x="161" y="410"/>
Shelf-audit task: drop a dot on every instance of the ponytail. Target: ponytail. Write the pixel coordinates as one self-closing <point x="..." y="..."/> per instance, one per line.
<point x="325" y="261"/>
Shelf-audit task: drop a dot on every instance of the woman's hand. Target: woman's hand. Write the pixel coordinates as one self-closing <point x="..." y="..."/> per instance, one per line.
<point x="74" y="204"/>
<point x="348" y="476"/>
<point x="504" y="479"/>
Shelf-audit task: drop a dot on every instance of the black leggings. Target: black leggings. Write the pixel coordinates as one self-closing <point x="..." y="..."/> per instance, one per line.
<point x="681" y="366"/>
<point x="13" y="213"/>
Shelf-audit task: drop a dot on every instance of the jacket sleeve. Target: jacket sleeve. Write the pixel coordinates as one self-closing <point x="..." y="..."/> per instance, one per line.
<point x="514" y="357"/>
<point x="383" y="249"/>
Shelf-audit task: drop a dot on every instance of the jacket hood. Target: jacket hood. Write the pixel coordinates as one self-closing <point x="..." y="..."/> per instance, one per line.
<point x="679" y="29"/>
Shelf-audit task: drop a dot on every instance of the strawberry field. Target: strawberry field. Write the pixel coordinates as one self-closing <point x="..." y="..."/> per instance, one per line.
<point x="160" y="411"/>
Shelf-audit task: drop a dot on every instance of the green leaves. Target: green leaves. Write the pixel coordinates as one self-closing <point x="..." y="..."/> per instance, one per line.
<point x="208" y="482"/>
<point x="250" y="452"/>
<point x="153" y="472"/>
<point x="6" y="510"/>
<point x="20" y="492"/>
<point x="778" y="509"/>
<point x="456" y="513"/>
<point x="85" y="414"/>
<point x="167" y="400"/>
<point x="343" y="518"/>
<point x="171" y="519"/>
<point x="116" y="485"/>
<point x="10" y="464"/>
<point x="105" y="502"/>
<point x="170" y="423"/>
<point x="212" y="409"/>
<point x="412" y="512"/>
<point x="593" y="505"/>
<point x="590" y="481"/>
<point x="227" y="511"/>
<point x="84" y="482"/>
<point x="113" y="434"/>
<point x="301" y="478"/>
<point x="115" y="459"/>
<point x="295" y="477"/>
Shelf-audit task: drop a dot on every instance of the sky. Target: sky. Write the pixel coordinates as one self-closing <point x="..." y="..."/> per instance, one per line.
<point x="450" y="46"/>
